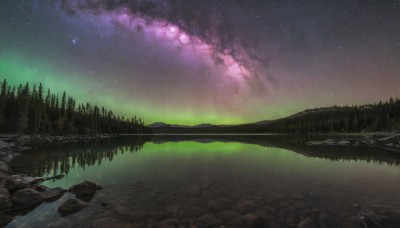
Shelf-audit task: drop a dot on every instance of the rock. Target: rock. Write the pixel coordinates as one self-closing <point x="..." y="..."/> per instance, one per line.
<point x="15" y="182"/>
<point x="325" y="219"/>
<point x="4" y="192"/>
<point x="26" y="198"/>
<point x="4" y="167"/>
<point x="40" y="188"/>
<point x="56" y="177"/>
<point x="135" y="214"/>
<point x="71" y="206"/>
<point x="111" y="222"/>
<point x="291" y="222"/>
<point x="245" y="206"/>
<point x="248" y="220"/>
<point x="195" y="190"/>
<point x="85" y="190"/>
<point x="297" y="196"/>
<point x="208" y="220"/>
<point x="299" y="205"/>
<point x="3" y="176"/>
<point x="307" y="223"/>
<point x="344" y="142"/>
<point x="194" y="212"/>
<point x="172" y="208"/>
<point x="4" y="202"/>
<point x="172" y="222"/>
<point x="159" y="215"/>
<point x="53" y="194"/>
<point x="264" y="215"/>
<point x="228" y="215"/>
<point x="373" y="216"/>
<point x="219" y="204"/>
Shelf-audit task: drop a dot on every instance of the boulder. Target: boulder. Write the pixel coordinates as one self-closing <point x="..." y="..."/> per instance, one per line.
<point x="4" y="192"/>
<point x="53" y="194"/>
<point x="4" y="202"/>
<point x="26" y="198"/>
<point x="4" y="167"/>
<point x="3" y="176"/>
<point x="85" y="190"/>
<point x="71" y="206"/>
<point x="15" y="182"/>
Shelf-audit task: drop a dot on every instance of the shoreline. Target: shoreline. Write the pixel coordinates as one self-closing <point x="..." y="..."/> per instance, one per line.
<point x="13" y="144"/>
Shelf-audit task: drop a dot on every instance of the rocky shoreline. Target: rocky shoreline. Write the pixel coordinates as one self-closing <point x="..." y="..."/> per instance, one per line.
<point x="20" y="193"/>
<point x="389" y="142"/>
<point x="12" y="145"/>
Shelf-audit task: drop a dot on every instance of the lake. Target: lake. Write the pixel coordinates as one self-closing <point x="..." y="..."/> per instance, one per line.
<point x="209" y="181"/>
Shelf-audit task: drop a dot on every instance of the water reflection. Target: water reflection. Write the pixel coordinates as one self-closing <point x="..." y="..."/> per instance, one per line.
<point x="53" y="160"/>
<point x="238" y="181"/>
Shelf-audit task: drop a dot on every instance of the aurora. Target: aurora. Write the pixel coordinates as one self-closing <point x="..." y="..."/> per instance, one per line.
<point x="203" y="61"/>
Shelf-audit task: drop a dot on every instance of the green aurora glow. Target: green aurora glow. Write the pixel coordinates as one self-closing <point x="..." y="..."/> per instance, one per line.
<point x="19" y="69"/>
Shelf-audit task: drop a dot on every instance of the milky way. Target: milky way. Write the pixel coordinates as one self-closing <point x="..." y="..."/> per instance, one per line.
<point x="205" y="61"/>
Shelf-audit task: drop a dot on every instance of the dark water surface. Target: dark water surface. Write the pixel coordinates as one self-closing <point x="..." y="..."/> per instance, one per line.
<point x="209" y="181"/>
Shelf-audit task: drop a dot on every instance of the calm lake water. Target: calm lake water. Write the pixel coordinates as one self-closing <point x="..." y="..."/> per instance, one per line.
<point x="208" y="181"/>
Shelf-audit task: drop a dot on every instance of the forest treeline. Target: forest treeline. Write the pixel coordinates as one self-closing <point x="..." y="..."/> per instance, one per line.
<point x="382" y="116"/>
<point x="31" y="110"/>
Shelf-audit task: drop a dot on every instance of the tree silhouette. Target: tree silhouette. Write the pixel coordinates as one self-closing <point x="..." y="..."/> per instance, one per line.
<point x="23" y="110"/>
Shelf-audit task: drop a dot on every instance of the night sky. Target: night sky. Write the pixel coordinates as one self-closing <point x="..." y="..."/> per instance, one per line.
<point x="205" y="61"/>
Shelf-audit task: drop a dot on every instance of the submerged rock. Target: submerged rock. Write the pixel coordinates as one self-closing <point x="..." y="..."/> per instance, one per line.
<point x="307" y="223"/>
<point x="208" y="220"/>
<point x="219" y="204"/>
<point x="195" y="190"/>
<point x="245" y="206"/>
<point x="71" y="206"/>
<point x="111" y="222"/>
<point x="228" y="215"/>
<point x="85" y="190"/>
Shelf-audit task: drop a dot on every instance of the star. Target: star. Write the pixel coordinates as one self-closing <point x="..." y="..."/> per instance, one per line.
<point x="74" y="41"/>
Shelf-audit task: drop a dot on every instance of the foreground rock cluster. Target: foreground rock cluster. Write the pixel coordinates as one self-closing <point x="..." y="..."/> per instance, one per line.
<point x="21" y="193"/>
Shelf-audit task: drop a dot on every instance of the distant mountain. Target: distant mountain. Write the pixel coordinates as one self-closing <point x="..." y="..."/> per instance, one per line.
<point x="158" y="124"/>
<point x="382" y="116"/>
<point x="165" y="125"/>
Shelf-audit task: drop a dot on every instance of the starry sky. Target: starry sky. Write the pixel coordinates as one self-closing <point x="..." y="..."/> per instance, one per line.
<point x="205" y="61"/>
